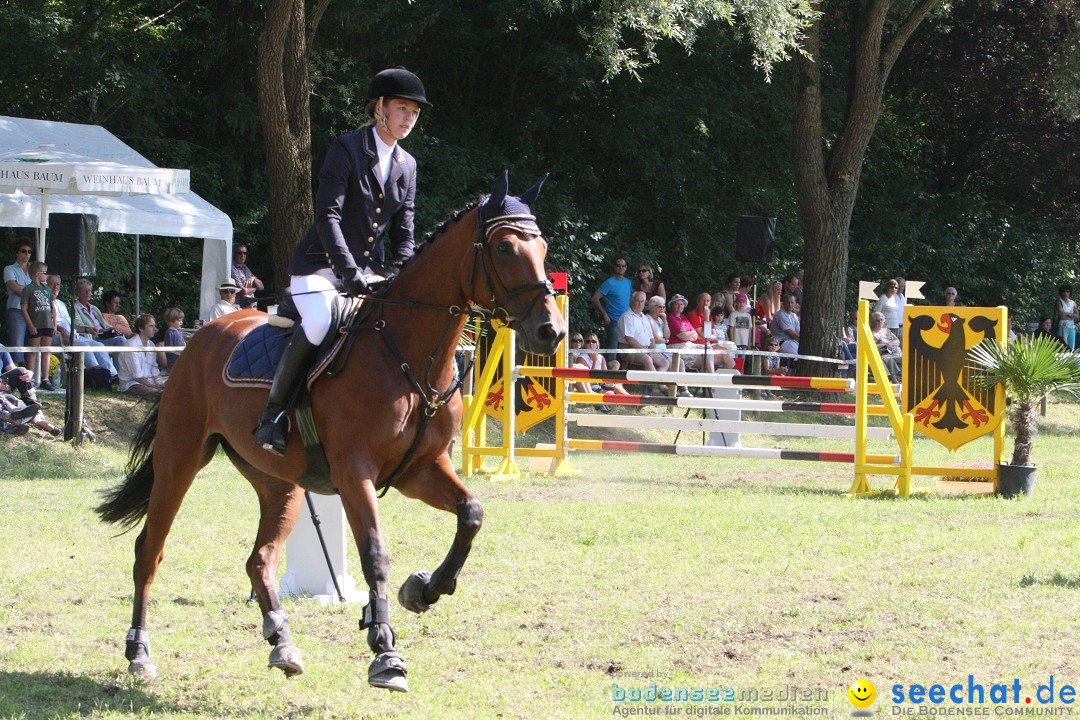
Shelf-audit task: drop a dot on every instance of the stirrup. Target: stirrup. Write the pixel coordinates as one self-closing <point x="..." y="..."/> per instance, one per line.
<point x="272" y="431"/>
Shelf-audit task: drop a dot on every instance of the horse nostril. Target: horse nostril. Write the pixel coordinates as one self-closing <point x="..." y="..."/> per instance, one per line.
<point x="548" y="333"/>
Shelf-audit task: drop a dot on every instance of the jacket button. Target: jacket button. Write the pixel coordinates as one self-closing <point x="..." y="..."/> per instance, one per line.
<point x="366" y="253"/>
<point x="370" y="240"/>
<point x="378" y="211"/>
<point x="380" y="196"/>
<point x="375" y="226"/>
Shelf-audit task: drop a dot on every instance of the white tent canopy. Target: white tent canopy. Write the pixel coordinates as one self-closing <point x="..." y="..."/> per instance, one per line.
<point x="182" y="215"/>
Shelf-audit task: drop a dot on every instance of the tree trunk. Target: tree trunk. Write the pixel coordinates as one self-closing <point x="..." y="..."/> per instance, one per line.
<point x="285" y="111"/>
<point x="1025" y="423"/>
<point x="827" y="180"/>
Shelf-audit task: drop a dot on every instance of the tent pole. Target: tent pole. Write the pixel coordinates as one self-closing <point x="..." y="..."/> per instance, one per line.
<point x="42" y="224"/>
<point x="137" y="293"/>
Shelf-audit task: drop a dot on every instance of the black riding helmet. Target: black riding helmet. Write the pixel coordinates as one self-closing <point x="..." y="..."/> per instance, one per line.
<point x="397" y="83"/>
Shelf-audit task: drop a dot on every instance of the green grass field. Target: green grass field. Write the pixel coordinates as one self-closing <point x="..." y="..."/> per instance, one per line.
<point x="712" y="574"/>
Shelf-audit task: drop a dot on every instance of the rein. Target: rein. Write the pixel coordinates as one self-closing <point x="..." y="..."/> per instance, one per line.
<point x="431" y="399"/>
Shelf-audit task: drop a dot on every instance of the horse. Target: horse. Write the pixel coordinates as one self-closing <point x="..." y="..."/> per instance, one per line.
<point x="488" y="257"/>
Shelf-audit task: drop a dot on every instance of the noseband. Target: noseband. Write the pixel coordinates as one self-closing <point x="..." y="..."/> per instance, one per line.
<point x="543" y="288"/>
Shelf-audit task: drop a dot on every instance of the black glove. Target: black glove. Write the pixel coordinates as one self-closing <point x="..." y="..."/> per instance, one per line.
<point x="354" y="282"/>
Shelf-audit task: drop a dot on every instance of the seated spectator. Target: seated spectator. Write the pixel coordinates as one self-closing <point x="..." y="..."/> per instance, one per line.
<point x="243" y="276"/>
<point x="950" y="297"/>
<point x="110" y="300"/>
<point x="1046" y="328"/>
<point x="594" y="360"/>
<point x="683" y="336"/>
<point x="786" y="326"/>
<point x="888" y="345"/>
<point x="637" y="332"/>
<point x="700" y="315"/>
<point x="139" y="372"/>
<point x="227" y="291"/>
<point x="716" y="334"/>
<point x="14" y="412"/>
<point x="89" y="321"/>
<point x="170" y="335"/>
<point x="39" y="315"/>
<point x="66" y="337"/>
<point x="771" y="363"/>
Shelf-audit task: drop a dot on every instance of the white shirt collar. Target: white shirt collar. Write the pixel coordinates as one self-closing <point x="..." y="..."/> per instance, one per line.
<point x="385" y="153"/>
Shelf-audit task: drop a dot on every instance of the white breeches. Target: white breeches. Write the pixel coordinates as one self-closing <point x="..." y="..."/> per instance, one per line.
<point x="313" y="296"/>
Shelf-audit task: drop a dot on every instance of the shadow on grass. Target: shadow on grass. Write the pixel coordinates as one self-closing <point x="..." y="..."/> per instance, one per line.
<point x="1056" y="580"/>
<point x="36" y="695"/>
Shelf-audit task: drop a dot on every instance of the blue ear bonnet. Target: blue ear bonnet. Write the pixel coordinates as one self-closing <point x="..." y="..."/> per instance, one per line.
<point x="500" y="210"/>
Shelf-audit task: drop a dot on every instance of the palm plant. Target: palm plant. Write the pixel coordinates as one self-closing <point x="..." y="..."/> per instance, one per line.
<point x="1030" y="368"/>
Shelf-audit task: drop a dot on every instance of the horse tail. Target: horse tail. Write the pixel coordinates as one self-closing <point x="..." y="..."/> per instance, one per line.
<point x="126" y="503"/>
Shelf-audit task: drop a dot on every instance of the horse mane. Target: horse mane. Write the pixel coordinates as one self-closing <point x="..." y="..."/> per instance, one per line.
<point x="442" y="227"/>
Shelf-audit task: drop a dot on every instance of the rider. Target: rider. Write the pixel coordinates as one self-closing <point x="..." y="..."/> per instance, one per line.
<point x="367" y="187"/>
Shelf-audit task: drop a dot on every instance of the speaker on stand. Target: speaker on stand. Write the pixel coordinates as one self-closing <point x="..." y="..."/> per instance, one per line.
<point x="71" y="244"/>
<point x="754" y="238"/>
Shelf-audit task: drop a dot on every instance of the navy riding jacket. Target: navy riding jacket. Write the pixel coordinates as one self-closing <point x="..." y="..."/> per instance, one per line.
<point x="354" y="213"/>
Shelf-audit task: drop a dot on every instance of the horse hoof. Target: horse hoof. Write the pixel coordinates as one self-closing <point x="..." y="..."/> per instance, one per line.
<point x="388" y="671"/>
<point x="142" y="670"/>
<point x="286" y="657"/>
<point x="411" y="594"/>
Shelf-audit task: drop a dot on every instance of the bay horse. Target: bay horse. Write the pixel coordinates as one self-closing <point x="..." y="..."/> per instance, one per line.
<point x="368" y="416"/>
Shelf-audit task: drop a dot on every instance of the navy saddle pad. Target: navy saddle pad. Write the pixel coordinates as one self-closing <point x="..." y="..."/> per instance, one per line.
<point x="254" y="360"/>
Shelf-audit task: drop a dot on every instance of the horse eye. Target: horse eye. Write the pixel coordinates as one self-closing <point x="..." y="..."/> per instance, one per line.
<point x="504" y="247"/>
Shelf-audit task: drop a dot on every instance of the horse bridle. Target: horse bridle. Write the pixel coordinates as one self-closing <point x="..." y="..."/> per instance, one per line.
<point x="484" y="231"/>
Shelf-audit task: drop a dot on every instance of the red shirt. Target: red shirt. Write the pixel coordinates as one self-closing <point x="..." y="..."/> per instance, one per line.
<point x="697" y="321"/>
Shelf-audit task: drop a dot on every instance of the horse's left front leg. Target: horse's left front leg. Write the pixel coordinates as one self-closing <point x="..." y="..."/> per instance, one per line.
<point x="438" y="485"/>
<point x="387" y="670"/>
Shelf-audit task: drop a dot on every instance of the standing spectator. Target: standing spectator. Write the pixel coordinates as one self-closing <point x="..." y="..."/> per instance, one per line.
<point x="110" y="300"/>
<point x="243" y="276"/>
<point x="88" y="319"/>
<point x="1067" y="316"/>
<point x="786" y="326"/>
<point x="649" y="285"/>
<point x="950" y="297"/>
<point x="65" y="336"/>
<point x="793" y="285"/>
<point x="727" y="295"/>
<point x="227" y="291"/>
<point x="638" y="333"/>
<point x="890" y="306"/>
<point x="741" y="323"/>
<point x="16" y="277"/>
<point x="769" y="302"/>
<point x="612" y="299"/>
<point x="139" y="372"/>
<point x="170" y="335"/>
<point x="39" y="314"/>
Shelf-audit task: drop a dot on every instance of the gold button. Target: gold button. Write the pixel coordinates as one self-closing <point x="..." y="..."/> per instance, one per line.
<point x="378" y="211"/>
<point x="366" y="253"/>
<point x="375" y="226"/>
<point x="371" y="240"/>
<point x="380" y="196"/>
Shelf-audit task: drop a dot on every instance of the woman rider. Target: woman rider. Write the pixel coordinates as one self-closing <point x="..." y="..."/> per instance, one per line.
<point x="367" y="187"/>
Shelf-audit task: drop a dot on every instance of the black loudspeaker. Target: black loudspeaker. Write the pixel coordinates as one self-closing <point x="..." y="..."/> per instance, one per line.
<point x="754" y="238"/>
<point x="71" y="244"/>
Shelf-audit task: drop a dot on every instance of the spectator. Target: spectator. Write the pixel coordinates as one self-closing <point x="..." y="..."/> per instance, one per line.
<point x="741" y="323"/>
<point x="786" y="326"/>
<point x="888" y="345"/>
<point x="89" y="320"/>
<point x="717" y="334"/>
<point x="17" y="277"/>
<point x="638" y="333"/>
<point x="769" y="302"/>
<point x="699" y="315"/>
<point x="649" y="285"/>
<point x="793" y="285"/>
<point x="950" y="297"/>
<point x="1067" y="316"/>
<point x="1046" y="324"/>
<point x="140" y="375"/>
<point x="21" y="380"/>
<point x="227" y="291"/>
<point x="243" y="276"/>
<point x="734" y="283"/>
<point x="890" y="306"/>
<point x="595" y="361"/>
<point x="771" y="363"/>
<point x="683" y="336"/>
<point x="110" y="300"/>
<point x="612" y="299"/>
<point x="171" y="336"/>
<point x="39" y="315"/>
<point x="65" y="336"/>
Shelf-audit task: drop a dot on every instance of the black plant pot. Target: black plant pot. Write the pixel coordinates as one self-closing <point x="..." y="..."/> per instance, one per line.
<point x="1016" y="480"/>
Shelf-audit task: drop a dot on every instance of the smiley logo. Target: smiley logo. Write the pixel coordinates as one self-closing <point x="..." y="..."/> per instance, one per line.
<point x="862" y="693"/>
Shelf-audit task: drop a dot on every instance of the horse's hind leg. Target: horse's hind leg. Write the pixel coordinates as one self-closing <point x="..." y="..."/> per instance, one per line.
<point x="387" y="670"/>
<point x="438" y="485"/>
<point x="279" y="506"/>
<point x="175" y="466"/>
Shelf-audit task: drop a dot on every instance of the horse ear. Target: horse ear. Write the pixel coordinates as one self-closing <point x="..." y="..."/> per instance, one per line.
<point x="498" y="194"/>
<point x="529" y="196"/>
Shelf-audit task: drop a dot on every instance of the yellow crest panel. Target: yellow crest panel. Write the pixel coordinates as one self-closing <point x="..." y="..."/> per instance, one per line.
<point x="938" y="386"/>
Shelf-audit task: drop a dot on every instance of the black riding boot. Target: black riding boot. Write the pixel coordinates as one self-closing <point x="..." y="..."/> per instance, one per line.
<point x="271" y="433"/>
